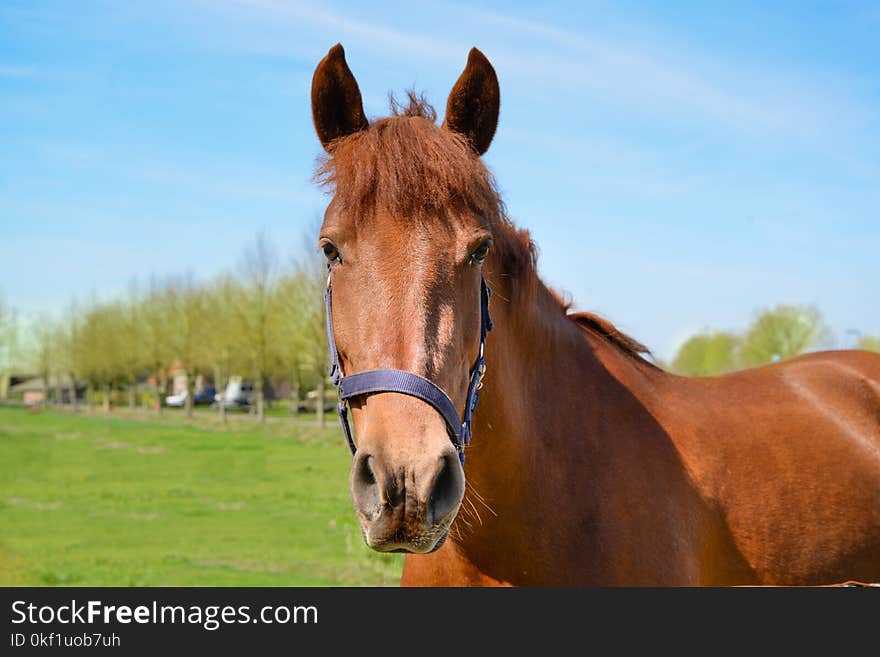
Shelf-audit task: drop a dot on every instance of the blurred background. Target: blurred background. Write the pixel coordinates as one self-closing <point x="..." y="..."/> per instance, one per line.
<point x="705" y="175"/>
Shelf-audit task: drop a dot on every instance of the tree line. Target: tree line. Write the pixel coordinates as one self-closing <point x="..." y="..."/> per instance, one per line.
<point x="776" y="333"/>
<point x="263" y="322"/>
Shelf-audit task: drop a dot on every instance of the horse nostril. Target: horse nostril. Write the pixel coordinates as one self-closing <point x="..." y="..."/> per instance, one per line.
<point x="366" y="474"/>
<point x="364" y="487"/>
<point x="448" y="488"/>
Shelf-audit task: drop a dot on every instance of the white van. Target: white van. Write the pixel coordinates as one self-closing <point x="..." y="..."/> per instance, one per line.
<point x="238" y="394"/>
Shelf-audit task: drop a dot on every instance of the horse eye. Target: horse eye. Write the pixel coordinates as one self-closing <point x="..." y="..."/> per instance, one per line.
<point x="480" y="254"/>
<point x="331" y="253"/>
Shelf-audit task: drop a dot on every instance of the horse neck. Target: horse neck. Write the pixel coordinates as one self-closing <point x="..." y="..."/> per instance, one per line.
<point x="535" y="356"/>
<point x="542" y="420"/>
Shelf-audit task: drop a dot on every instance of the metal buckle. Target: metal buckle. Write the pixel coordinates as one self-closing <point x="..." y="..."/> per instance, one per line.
<point x="481" y="369"/>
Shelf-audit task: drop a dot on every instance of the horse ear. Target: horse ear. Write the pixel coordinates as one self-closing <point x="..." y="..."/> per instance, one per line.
<point x="337" y="108"/>
<point x="472" y="108"/>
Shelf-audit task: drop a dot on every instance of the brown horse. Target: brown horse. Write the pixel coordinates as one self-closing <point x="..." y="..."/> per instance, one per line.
<point x="589" y="465"/>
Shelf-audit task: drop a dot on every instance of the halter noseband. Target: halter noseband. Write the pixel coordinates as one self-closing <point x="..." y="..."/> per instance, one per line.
<point x="407" y="383"/>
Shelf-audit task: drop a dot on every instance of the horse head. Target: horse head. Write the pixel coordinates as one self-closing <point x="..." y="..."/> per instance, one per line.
<point x="406" y="237"/>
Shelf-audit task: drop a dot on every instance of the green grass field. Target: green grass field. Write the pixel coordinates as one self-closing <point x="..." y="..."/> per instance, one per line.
<point x="91" y="501"/>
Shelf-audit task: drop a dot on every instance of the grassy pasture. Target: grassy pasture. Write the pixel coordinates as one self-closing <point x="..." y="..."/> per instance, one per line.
<point x="94" y="501"/>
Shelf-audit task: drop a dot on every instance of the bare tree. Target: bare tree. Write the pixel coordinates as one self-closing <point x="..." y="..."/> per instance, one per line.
<point x="154" y="317"/>
<point x="303" y="347"/>
<point x="311" y="327"/>
<point x="71" y="348"/>
<point x="220" y="336"/>
<point x="104" y="340"/>
<point x="257" y="322"/>
<point x="187" y="336"/>
<point x="287" y="303"/>
<point x="8" y="345"/>
<point x="132" y="328"/>
<point x="43" y="337"/>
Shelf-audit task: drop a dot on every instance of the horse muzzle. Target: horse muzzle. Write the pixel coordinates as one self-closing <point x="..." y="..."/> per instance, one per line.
<point x="406" y="508"/>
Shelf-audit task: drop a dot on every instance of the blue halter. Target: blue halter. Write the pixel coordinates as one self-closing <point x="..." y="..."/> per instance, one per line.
<point x="407" y="383"/>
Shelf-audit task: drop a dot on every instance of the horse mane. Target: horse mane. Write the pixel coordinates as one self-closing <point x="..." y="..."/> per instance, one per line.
<point x="408" y="164"/>
<point x="605" y="329"/>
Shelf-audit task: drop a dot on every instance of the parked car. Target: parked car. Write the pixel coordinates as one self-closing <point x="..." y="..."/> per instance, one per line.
<point x="176" y="400"/>
<point x="203" y="395"/>
<point x="238" y="394"/>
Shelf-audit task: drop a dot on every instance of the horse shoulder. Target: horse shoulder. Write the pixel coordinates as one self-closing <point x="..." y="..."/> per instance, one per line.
<point x="789" y="456"/>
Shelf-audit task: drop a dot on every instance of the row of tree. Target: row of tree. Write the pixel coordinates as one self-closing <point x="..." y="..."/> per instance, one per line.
<point x="264" y="322"/>
<point x="775" y="334"/>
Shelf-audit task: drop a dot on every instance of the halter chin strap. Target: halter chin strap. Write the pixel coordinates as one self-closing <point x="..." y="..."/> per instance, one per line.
<point x="408" y="383"/>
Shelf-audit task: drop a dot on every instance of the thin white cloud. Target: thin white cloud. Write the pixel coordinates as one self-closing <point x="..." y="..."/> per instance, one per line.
<point x="312" y="20"/>
<point x="651" y="75"/>
<point x="7" y="71"/>
<point x="195" y="176"/>
<point x="670" y="79"/>
<point x="637" y="167"/>
<point x="70" y="154"/>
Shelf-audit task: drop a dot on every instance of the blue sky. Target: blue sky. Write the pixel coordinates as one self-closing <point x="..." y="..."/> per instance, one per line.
<point x="680" y="165"/>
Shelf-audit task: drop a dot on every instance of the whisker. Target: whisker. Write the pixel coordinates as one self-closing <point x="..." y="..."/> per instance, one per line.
<point x="476" y="513"/>
<point x="481" y="499"/>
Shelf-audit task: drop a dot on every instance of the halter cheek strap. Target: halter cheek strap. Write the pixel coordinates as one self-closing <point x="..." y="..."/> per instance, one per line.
<point x="408" y="383"/>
